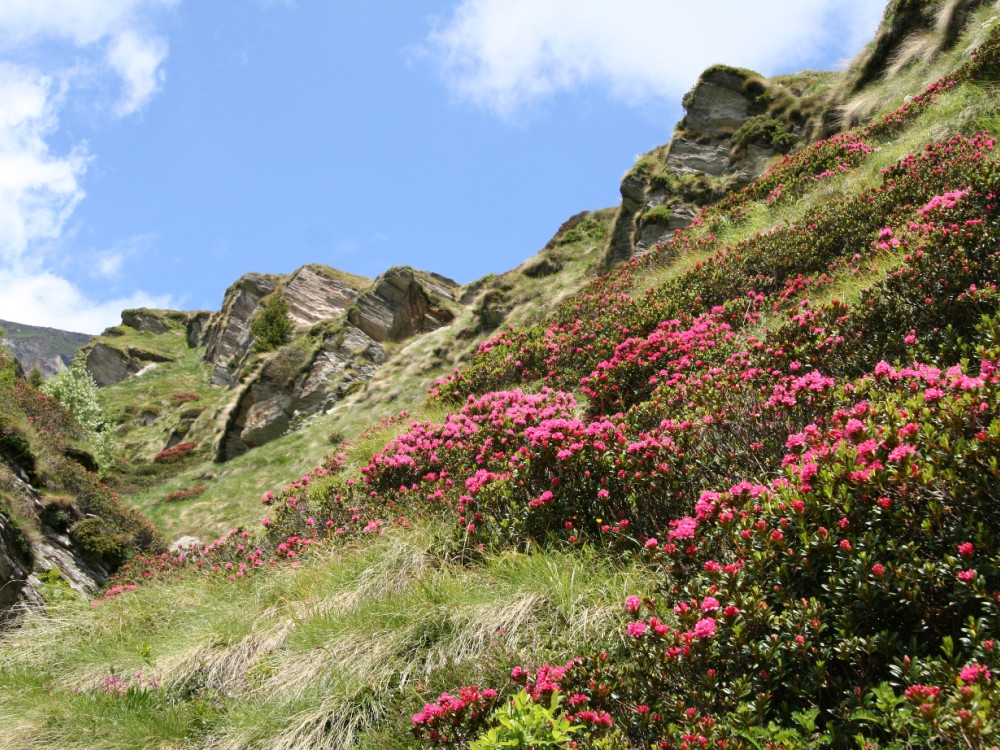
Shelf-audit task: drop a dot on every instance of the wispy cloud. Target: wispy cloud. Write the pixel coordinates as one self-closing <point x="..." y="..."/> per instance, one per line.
<point x="89" y="48"/>
<point x="107" y="264"/>
<point x="506" y="54"/>
<point x="139" y="62"/>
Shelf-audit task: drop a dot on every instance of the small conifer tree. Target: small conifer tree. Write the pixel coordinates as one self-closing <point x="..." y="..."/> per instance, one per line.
<point x="272" y="327"/>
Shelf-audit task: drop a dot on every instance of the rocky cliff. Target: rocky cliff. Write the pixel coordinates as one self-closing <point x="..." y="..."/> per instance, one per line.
<point x="342" y="348"/>
<point x="736" y="124"/>
<point x="736" y="121"/>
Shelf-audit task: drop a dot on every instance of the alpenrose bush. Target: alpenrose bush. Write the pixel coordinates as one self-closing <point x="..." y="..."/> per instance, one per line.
<point x="813" y="486"/>
<point x="843" y="238"/>
<point x="176" y="453"/>
<point x="861" y="584"/>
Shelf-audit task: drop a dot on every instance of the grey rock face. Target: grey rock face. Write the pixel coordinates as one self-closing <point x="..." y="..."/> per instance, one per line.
<point x="227" y="337"/>
<point x="401" y="304"/>
<point x="24" y="559"/>
<point x="312" y="297"/>
<point x="196" y="325"/>
<point x="715" y="108"/>
<point x="717" y="105"/>
<point x="56" y="552"/>
<point x="15" y="565"/>
<point x="622" y="244"/>
<point x="108" y="365"/>
<point x="144" y="320"/>
<point x="689" y="155"/>
<point x="264" y="412"/>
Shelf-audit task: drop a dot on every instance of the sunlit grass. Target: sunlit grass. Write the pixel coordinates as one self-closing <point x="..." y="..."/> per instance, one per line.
<point x="349" y="644"/>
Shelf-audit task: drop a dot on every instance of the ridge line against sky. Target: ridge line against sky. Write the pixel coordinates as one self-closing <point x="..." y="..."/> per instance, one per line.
<point x="152" y="151"/>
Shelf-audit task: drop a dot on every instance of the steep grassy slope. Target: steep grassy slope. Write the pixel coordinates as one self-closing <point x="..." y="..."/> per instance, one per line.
<point x="740" y="493"/>
<point x="174" y="402"/>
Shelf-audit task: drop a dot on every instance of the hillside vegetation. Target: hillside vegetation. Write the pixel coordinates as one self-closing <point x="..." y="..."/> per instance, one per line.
<point x="740" y="492"/>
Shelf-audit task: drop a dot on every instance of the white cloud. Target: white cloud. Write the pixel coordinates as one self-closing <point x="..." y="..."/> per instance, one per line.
<point x="138" y="60"/>
<point x="45" y="299"/>
<point x="38" y="190"/>
<point x="49" y="49"/>
<point x="504" y="54"/>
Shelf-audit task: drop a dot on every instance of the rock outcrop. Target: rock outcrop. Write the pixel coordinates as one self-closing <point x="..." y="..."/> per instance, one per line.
<point x="108" y="364"/>
<point x="699" y="165"/>
<point x="30" y="563"/>
<point x="15" y="564"/>
<point x="313" y="294"/>
<point x="227" y="336"/>
<point x="402" y="303"/>
<point x="313" y="297"/>
<point x="268" y="406"/>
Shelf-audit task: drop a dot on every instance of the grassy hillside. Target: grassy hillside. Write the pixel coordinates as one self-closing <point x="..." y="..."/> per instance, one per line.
<point x="740" y="492"/>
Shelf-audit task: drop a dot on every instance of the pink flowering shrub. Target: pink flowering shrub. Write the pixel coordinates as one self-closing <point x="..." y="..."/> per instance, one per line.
<point x="811" y="483"/>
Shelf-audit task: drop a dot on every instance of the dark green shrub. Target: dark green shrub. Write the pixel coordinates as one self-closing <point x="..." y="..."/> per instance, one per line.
<point x="272" y="327"/>
<point x="97" y="541"/>
<point x="766" y="131"/>
<point x="16" y="448"/>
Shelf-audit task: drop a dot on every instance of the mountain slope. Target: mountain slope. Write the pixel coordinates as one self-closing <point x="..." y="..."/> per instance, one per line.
<point x="739" y="492"/>
<point x="48" y="349"/>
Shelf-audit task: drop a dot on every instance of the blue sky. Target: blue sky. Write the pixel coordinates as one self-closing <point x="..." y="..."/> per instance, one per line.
<point x="152" y="151"/>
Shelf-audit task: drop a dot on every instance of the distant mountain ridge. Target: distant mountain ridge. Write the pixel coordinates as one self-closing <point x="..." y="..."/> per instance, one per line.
<point x="49" y="349"/>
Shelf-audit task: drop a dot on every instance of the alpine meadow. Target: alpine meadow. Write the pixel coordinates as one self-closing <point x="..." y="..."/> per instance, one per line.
<point x="716" y="468"/>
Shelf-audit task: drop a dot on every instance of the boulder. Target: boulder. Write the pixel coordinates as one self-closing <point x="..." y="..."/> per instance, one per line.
<point x="108" y="365"/>
<point x="266" y="420"/>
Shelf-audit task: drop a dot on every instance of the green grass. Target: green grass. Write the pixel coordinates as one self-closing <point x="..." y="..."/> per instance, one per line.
<point x="340" y="650"/>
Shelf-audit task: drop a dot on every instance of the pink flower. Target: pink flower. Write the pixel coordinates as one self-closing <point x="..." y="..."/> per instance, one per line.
<point x="878" y="570"/>
<point x="636" y="629"/>
<point x="632" y="604"/>
<point x="704" y="628"/>
<point x="965" y="549"/>
<point x="975" y="673"/>
<point x="683" y="528"/>
<point x="966" y="575"/>
<point x="709" y="604"/>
